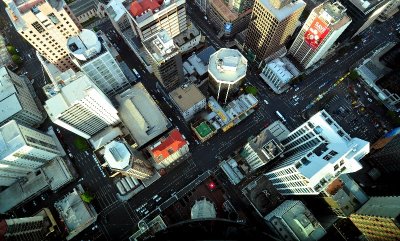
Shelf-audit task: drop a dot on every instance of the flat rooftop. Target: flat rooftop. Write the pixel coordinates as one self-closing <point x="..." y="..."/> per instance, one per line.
<point x="11" y="138"/>
<point x="224" y="10"/>
<point x="85" y="45"/>
<point x="278" y="67"/>
<point x="26" y="5"/>
<point x="79" y="7"/>
<point x="117" y="155"/>
<point x="286" y="11"/>
<point x="160" y="46"/>
<point x="332" y="12"/>
<point x="9" y="102"/>
<point x="187" y="97"/>
<point x="227" y="65"/>
<point x="381" y="207"/>
<point x="141" y="10"/>
<point x="366" y="6"/>
<point x="141" y="114"/>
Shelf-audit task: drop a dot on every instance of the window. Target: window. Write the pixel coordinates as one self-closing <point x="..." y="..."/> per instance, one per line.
<point x="38" y="27"/>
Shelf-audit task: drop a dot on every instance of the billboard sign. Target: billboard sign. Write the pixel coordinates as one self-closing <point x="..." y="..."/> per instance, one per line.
<point x="316" y="33"/>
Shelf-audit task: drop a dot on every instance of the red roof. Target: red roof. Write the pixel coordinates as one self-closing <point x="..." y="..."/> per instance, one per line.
<point x="170" y="145"/>
<point x="139" y="7"/>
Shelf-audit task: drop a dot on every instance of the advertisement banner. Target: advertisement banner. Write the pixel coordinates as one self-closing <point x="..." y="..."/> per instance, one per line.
<point x="316" y="33"/>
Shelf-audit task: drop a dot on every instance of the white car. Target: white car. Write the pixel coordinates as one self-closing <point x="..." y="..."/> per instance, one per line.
<point x="297" y="88"/>
<point x="366" y="93"/>
<point x="294" y="96"/>
<point x="370" y="100"/>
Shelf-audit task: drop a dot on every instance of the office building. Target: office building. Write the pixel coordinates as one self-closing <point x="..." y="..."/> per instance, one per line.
<point x="189" y="100"/>
<point x="227" y="70"/>
<point x="293" y="221"/>
<point x="148" y="17"/>
<point x="379" y="218"/>
<point x="203" y="208"/>
<point x="17" y="101"/>
<point x="84" y="10"/>
<point x="31" y="228"/>
<point x="23" y="150"/>
<point x="92" y="55"/>
<point x="46" y="25"/>
<point x="169" y="149"/>
<point x="272" y="23"/>
<point x="166" y="59"/>
<point x="278" y="73"/>
<point x="385" y="153"/>
<point x="141" y="115"/>
<point x="363" y="14"/>
<point x="261" y="149"/>
<point x="79" y="106"/>
<point x="320" y="31"/>
<point x="120" y="157"/>
<point x="390" y="10"/>
<point x="315" y="154"/>
<point x="344" y="196"/>
<point x="77" y="214"/>
<point x="229" y="17"/>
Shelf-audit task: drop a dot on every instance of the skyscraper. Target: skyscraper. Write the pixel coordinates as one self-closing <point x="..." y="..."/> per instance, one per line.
<point x="227" y="70"/>
<point x="16" y="100"/>
<point x="91" y="54"/>
<point x="379" y="218"/>
<point x="320" y="31"/>
<point x="46" y="25"/>
<point x="315" y="154"/>
<point x="30" y="228"/>
<point x="23" y="150"/>
<point x="272" y="23"/>
<point x="166" y="59"/>
<point x="79" y="106"/>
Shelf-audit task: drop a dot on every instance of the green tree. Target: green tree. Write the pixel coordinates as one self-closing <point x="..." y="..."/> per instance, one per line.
<point x="354" y="75"/>
<point x="251" y="90"/>
<point x="16" y="59"/>
<point x="87" y="197"/>
<point x="11" y="49"/>
<point x="81" y="144"/>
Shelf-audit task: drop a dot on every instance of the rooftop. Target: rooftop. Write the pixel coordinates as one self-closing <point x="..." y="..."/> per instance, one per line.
<point x="77" y="215"/>
<point x="197" y="64"/>
<point x="187" y="35"/>
<point x="186" y="97"/>
<point x="75" y="89"/>
<point x="266" y="146"/>
<point x="161" y="46"/>
<point x="118" y="155"/>
<point x="168" y="146"/>
<point x="26" y="5"/>
<point x="79" y="7"/>
<point x="284" y="12"/>
<point x="105" y="136"/>
<point x="282" y="69"/>
<point x="224" y="10"/>
<point x="85" y="45"/>
<point x="227" y="65"/>
<point x="298" y="219"/>
<point x="278" y="130"/>
<point x="206" y="53"/>
<point x="203" y="209"/>
<point x="332" y="12"/>
<point x="141" y="10"/>
<point x="11" y="138"/>
<point x="381" y="207"/>
<point x="9" y="102"/>
<point x="115" y="10"/>
<point x="366" y="6"/>
<point x="141" y="114"/>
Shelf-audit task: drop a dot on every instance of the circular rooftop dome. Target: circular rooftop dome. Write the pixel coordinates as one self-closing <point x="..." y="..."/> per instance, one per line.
<point x="227" y="66"/>
<point x="84" y="45"/>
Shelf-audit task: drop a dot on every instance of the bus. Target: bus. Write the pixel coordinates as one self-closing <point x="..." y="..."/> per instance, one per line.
<point x="280" y="116"/>
<point x="136" y="73"/>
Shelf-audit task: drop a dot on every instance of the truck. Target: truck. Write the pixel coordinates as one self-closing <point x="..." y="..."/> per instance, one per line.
<point x="280" y="116"/>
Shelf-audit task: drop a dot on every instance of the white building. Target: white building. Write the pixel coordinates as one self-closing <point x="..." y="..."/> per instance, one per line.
<point x="189" y="100"/>
<point x="148" y="17"/>
<point x="121" y="158"/>
<point x="79" y="106"/>
<point x="16" y="100"/>
<point x="320" y="31"/>
<point x="293" y="221"/>
<point x="315" y="154"/>
<point x="23" y="150"/>
<point x="278" y="73"/>
<point x="46" y="25"/>
<point x="169" y="149"/>
<point x="92" y="55"/>
<point x="227" y="69"/>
